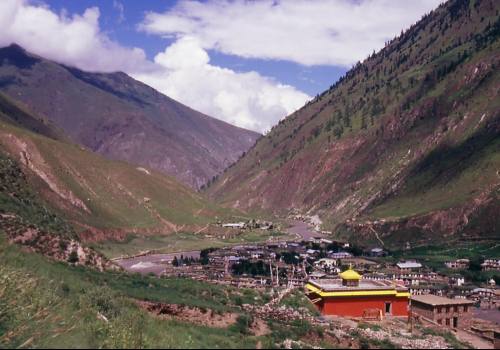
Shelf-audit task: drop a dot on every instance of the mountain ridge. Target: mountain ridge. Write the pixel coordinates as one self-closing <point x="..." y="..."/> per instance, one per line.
<point x="122" y="118"/>
<point x="99" y="199"/>
<point x="348" y="155"/>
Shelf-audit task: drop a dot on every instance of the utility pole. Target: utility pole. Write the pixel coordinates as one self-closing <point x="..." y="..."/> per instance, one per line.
<point x="271" y="270"/>
<point x="226" y="265"/>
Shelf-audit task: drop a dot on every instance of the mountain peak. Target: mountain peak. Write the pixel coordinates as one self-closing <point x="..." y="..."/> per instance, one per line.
<point x="123" y="119"/>
<point x="15" y="47"/>
<point x="16" y="55"/>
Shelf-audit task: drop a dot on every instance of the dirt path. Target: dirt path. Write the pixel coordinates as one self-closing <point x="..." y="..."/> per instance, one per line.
<point x="302" y="230"/>
<point x="378" y="237"/>
<point x="476" y="341"/>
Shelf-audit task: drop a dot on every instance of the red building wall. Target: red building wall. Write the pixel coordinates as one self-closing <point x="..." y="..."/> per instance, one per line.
<point x="354" y="306"/>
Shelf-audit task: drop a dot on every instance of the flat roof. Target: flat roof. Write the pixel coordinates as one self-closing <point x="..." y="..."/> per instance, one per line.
<point x="435" y="300"/>
<point x="409" y="265"/>
<point x="331" y="285"/>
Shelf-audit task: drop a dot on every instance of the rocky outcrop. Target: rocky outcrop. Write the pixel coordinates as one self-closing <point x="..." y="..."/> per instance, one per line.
<point x="54" y="246"/>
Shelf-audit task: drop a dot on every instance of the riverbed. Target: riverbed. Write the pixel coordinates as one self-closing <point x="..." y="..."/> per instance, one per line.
<point x="155" y="263"/>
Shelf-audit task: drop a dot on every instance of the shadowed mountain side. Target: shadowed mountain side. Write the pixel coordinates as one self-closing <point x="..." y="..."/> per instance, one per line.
<point x="102" y="199"/>
<point x="123" y="119"/>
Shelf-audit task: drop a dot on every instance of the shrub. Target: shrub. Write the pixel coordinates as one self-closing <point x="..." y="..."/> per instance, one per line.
<point x="73" y="257"/>
<point x="242" y="325"/>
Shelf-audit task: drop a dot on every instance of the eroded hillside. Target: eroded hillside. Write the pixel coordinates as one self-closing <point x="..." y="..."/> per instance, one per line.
<point x="404" y="148"/>
<point x="101" y="199"/>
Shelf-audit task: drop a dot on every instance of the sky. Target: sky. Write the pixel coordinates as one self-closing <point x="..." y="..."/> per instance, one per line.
<point x="249" y="63"/>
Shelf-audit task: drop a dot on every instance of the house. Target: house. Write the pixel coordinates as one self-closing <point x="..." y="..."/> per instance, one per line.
<point x="325" y="262"/>
<point x="451" y="313"/>
<point x="490" y="264"/>
<point x="353" y="296"/>
<point x="429" y="288"/>
<point x="487" y="297"/>
<point x="258" y="254"/>
<point x="340" y="255"/>
<point x="294" y="247"/>
<point x="409" y="265"/>
<point x="377" y="252"/>
<point x="456" y="280"/>
<point x="317" y="275"/>
<point x="328" y="265"/>
<point x="459" y="264"/>
<point x="375" y="276"/>
<point x="235" y="225"/>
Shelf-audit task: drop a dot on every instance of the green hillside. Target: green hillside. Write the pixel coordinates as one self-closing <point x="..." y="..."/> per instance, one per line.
<point x="406" y="143"/>
<point x="104" y="194"/>
<point x="52" y="305"/>
<point x="100" y="200"/>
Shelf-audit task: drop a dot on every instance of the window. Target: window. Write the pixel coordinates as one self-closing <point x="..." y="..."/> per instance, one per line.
<point x="466" y="308"/>
<point x="440" y="321"/>
<point x="455" y="308"/>
<point x="447" y="309"/>
<point x="439" y="309"/>
<point x="447" y="321"/>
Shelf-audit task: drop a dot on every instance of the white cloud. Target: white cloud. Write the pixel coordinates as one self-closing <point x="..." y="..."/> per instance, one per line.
<point x="182" y="71"/>
<point x="248" y="100"/>
<point x="118" y="6"/>
<point x="75" y="40"/>
<point x="309" y="32"/>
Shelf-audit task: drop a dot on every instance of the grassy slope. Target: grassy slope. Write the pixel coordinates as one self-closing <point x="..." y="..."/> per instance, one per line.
<point x="408" y="97"/>
<point x="115" y="192"/>
<point x="17" y="198"/>
<point x="447" y="177"/>
<point x="148" y="211"/>
<point x="46" y="304"/>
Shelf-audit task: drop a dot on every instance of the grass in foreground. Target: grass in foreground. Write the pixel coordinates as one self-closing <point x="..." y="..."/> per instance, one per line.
<point x="48" y="304"/>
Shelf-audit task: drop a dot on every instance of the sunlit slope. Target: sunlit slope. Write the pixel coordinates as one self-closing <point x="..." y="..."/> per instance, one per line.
<point x="409" y="136"/>
<point x="104" y="199"/>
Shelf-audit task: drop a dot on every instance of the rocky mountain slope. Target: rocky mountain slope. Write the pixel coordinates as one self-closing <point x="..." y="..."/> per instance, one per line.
<point x="99" y="198"/>
<point x="404" y="148"/>
<point x="123" y="119"/>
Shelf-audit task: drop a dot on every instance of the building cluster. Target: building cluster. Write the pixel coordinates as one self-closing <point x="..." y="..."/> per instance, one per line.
<point x="341" y="283"/>
<point x="251" y="224"/>
<point x="295" y="263"/>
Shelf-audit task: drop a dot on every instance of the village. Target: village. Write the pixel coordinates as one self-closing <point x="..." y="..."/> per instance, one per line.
<point x="342" y="280"/>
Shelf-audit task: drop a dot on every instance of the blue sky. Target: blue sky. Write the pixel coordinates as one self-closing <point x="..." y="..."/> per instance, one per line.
<point x="249" y="63"/>
<point x="122" y="27"/>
